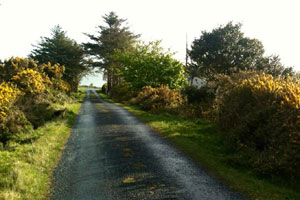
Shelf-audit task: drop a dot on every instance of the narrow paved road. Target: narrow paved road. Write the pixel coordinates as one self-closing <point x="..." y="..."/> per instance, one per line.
<point x="112" y="155"/>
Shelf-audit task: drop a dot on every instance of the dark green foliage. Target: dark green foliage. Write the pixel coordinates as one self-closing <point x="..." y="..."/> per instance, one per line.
<point x="65" y="51"/>
<point x="112" y="38"/>
<point x="195" y="95"/>
<point x="37" y="109"/>
<point x="104" y="88"/>
<point x="123" y="92"/>
<point x="225" y="50"/>
<point x="16" y="124"/>
<point x="272" y="65"/>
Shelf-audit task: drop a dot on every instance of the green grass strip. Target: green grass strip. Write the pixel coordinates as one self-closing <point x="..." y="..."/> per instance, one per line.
<point x="204" y="143"/>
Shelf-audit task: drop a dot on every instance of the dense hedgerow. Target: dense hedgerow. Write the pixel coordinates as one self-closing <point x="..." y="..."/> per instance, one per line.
<point x="159" y="99"/>
<point x="27" y="93"/>
<point x="261" y="117"/>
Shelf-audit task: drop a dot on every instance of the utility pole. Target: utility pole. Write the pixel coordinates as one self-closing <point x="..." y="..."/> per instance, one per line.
<point x="186" y="50"/>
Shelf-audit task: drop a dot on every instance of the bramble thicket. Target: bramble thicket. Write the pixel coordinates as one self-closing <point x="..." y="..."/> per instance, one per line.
<point x="29" y="94"/>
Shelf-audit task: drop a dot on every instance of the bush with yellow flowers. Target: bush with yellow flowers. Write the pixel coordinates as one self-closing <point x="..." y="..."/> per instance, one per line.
<point x="37" y="77"/>
<point x="55" y="71"/>
<point x="261" y="118"/>
<point x="28" y="92"/>
<point x="12" y="66"/>
<point x="159" y="99"/>
<point x="31" y="81"/>
<point x="8" y="96"/>
<point x="12" y="120"/>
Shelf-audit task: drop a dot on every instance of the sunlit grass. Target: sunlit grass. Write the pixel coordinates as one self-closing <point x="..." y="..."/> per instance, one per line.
<point x="25" y="171"/>
<point x="128" y="180"/>
<point x="205" y="144"/>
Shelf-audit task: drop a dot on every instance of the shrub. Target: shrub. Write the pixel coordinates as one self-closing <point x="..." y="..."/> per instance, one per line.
<point x="8" y="96"/>
<point x="52" y="71"/>
<point x="195" y="95"/>
<point x="15" y="65"/>
<point x="159" y="99"/>
<point x="123" y="92"/>
<point x="104" y="88"/>
<point x="16" y="123"/>
<point x="27" y="96"/>
<point x="61" y="85"/>
<point x="55" y="74"/>
<point x="12" y="120"/>
<point x="33" y="78"/>
<point x="261" y="117"/>
<point x="31" y="81"/>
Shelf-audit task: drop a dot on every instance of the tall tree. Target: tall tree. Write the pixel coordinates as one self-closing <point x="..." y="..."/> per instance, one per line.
<point x="225" y="48"/>
<point x="112" y="38"/>
<point x="67" y="52"/>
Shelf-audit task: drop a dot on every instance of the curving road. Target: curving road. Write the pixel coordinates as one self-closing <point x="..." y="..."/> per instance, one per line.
<point x="112" y="155"/>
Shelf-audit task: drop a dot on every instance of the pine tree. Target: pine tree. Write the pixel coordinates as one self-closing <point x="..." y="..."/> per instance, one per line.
<point x="113" y="38"/>
<point x="61" y="49"/>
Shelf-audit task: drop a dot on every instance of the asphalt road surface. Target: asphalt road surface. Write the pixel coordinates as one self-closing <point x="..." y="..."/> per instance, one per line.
<point x="112" y="155"/>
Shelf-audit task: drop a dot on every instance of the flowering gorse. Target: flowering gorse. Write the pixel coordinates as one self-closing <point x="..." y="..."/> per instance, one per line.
<point x="260" y="116"/>
<point x="287" y="90"/>
<point x="159" y="99"/>
<point x="30" y="81"/>
<point x="8" y="95"/>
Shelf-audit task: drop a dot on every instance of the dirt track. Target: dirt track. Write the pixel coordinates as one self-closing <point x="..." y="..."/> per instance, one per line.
<point x="112" y="155"/>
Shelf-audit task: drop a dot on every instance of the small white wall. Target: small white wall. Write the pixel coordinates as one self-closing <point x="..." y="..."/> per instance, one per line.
<point x="198" y="82"/>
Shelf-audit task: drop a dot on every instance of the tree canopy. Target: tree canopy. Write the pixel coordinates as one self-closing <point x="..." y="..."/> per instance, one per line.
<point x="149" y="65"/>
<point x="111" y="38"/>
<point x="61" y="49"/>
<point x="225" y="48"/>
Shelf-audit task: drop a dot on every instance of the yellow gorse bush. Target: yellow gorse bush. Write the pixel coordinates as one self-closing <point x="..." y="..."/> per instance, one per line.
<point x="159" y="99"/>
<point x="260" y="116"/>
<point x="8" y="95"/>
<point x="12" y="66"/>
<point x="62" y="85"/>
<point x="53" y="71"/>
<point x="27" y="93"/>
<point x="287" y="90"/>
<point x="31" y="81"/>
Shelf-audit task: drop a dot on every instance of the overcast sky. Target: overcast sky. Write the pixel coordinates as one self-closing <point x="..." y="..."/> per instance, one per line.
<point x="274" y="22"/>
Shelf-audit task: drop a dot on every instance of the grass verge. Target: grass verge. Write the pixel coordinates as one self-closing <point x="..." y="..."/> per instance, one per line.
<point x="204" y="143"/>
<point x="25" y="171"/>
